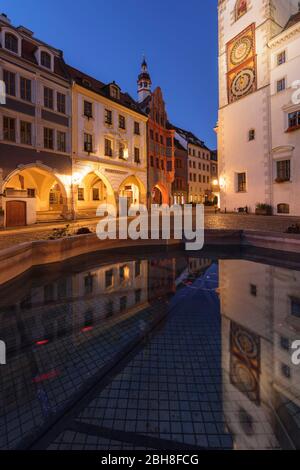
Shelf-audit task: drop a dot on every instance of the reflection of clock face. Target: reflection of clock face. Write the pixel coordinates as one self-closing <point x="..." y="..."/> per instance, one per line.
<point x="243" y="82"/>
<point x="241" y="50"/>
<point x="246" y="344"/>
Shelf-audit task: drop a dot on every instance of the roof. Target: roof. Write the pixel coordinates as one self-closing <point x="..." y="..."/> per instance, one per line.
<point x="294" y="19"/>
<point x="189" y="137"/>
<point x="29" y="47"/>
<point x="103" y="89"/>
<point x="178" y="145"/>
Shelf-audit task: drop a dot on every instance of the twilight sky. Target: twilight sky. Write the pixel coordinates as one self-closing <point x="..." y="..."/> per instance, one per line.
<point x="107" y="38"/>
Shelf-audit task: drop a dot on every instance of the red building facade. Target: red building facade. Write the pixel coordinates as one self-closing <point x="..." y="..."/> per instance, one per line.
<point x="161" y="148"/>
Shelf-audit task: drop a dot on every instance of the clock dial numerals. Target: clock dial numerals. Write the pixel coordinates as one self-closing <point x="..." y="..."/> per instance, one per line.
<point x="241" y="50"/>
<point x="243" y="83"/>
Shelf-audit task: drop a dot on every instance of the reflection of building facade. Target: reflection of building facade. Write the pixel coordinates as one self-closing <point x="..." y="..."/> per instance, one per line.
<point x="258" y="122"/>
<point x="35" y="132"/>
<point x="71" y="307"/>
<point x="260" y="308"/>
<point x="109" y="145"/>
<point x="160" y="140"/>
<point x="198" y="166"/>
<point x="180" y="184"/>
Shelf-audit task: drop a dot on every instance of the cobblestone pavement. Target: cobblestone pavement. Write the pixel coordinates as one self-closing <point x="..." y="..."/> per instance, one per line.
<point x="13" y="237"/>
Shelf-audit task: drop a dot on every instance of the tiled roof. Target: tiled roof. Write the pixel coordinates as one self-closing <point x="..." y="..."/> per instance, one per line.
<point x="190" y="137"/>
<point x="294" y="19"/>
<point x="178" y="145"/>
<point x="90" y="83"/>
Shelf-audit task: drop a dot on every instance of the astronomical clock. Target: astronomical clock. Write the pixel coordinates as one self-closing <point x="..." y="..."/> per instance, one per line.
<point x="241" y="65"/>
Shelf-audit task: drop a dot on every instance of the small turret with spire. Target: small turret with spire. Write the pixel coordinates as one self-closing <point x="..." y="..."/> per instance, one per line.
<point x="144" y="82"/>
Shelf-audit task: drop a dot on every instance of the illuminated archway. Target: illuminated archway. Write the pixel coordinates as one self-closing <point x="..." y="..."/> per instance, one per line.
<point x="159" y="194"/>
<point x="94" y="189"/>
<point x="134" y="190"/>
<point x="40" y="188"/>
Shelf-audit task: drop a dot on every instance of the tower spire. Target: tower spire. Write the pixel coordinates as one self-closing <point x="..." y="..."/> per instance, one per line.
<point x="144" y="82"/>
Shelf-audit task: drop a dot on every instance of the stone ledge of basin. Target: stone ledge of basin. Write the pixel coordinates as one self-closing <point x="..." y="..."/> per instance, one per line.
<point x="222" y="236"/>
<point x="288" y="242"/>
<point x="17" y="259"/>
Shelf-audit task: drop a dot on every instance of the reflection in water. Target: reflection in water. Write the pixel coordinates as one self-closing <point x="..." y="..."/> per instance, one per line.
<point x="202" y="379"/>
<point x="260" y="321"/>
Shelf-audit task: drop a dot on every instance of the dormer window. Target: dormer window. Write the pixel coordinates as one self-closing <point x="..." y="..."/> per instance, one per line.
<point x="241" y="9"/>
<point x="114" y="92"/>
<point x="11" y="43"/>
<point x="46" y="59"/>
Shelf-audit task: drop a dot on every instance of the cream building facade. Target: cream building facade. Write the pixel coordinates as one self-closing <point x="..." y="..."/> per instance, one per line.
<point x="109" y="146"/>
<point x="255" y="85"/>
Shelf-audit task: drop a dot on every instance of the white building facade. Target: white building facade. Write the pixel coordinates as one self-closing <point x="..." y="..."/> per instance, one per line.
<point x="255" y="84"/>
<point x="109" y="146"/>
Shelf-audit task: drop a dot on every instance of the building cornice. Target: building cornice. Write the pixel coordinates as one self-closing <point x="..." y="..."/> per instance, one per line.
<point x="284" y="36"/>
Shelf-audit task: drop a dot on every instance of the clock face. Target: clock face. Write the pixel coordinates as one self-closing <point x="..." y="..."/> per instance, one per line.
<point x="241" y="50"/>
<point x="243" y="82"/>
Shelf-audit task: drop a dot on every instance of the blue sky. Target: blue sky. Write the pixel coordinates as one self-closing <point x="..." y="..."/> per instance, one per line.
<point x="107" y="38"/>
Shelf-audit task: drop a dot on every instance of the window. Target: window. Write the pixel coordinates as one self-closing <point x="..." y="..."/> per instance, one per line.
<point x="281" y="58"/>
<point x="109" y="309"/>
<point x="199" y="179"/>
<point x="251" y="135"/>
<point x="88" y="284"/>
<point x="80" y="194"/>
<point x="137" y="128"/>
<point x="285" y="371"/>
<point x="137" y="268"/>
<point x="253" y="290"/>
<point x="9" y="129"/>
<point x="108" y="117"/>
<point x="240" y="9"/>
<point x="25" y="89"/>
<point x="61" y="103"/>
<point x="48" y="98"/>
<point x="137" y="155"/>
<point x="61" y="141"/>
<point x="121" y="150"/>
<point x="25" y="131"/>
<point x="114" y="92"/>
<point x="88" y="109"/>
<point x="151" y="160"/>
<point x="108" y="152"/>
<point x="11" y="42"/>
<point x="46" y="59"/>
<point x="283" y="171"/>
<point x="162" y="140"/>
<point x="169" y="142"/>
<point x="96" y="196"/>
<point x="283" y="208"/>
<point x="122" y="122"/>
<point x="9" y="79"/>
<point x="151" y="134"/>
<point x="88" y="143"/>
<point x="294" y="119"/>
<point x="48" y="138"/>
<point x="138" y="296"/>
<point x="295" y="307"/>
<point x="109" y="276"/>
<point x="123" y="303"/>
<point x="280" y="85"/>
<point x="284" y="343"/>
<point x="31" y="192"/>
<point x="241" y="177"/>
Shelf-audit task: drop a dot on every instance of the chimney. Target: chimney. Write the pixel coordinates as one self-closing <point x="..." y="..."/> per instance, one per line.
<point x="4" y="18"/>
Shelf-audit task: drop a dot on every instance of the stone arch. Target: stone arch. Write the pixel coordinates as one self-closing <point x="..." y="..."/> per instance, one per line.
<point x="97" y="190"/>
<point x="164" y="194"/>
<point x="41" y="188"/>
<point x="134" y="189"/>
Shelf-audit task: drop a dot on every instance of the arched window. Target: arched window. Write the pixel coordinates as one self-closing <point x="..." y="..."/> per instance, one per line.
<point x="241" y="8"/>
<point x="46" y="59"/>
<point x="283" y="209"/>
<point x="11" y="42"/>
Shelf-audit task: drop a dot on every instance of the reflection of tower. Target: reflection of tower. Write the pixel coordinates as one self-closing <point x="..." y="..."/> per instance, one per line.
<point x="144" y="83"/>
<point x="247" y="352"/>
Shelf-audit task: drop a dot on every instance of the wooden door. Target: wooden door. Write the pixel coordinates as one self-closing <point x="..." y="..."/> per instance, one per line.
<point x="15" y="213"/>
